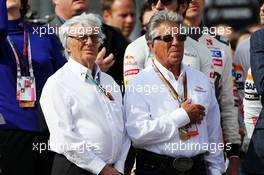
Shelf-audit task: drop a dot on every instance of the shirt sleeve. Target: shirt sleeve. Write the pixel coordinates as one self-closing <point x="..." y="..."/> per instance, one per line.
<point x="56" y="104"/>
<point x="215" y="157"/>
<point x="120" y="164"/>
<point x="3" y="20"/>
<point x="226" y="99"/>
<point x="143" y="129"/>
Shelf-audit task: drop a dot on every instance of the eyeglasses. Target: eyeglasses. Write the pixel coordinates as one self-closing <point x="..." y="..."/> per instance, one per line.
<point x="169" y="38"/>
<point x="164" y="2"/>
<point x="84" y="38"/>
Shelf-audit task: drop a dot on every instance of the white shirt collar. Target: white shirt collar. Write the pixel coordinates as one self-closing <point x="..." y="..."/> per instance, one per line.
<point x="167" y="73"/>
<point x="81" y="71"/>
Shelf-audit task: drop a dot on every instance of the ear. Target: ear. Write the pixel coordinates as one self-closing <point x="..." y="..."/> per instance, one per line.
<point x="151" y="46"/>
<point x="106" y="15"/>
<point x="55" y="2"/>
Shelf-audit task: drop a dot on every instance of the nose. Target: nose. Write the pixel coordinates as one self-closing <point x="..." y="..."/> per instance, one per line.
<point x="159" y="6"/>
<point x="262" y="7"/>
<point x="89" y="41"/>
<point x="130" y="18"/>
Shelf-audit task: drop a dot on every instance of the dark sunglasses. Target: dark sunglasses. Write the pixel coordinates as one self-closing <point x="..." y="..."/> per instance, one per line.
<point x="169" y="38"/>
<point x="164" y="2"/>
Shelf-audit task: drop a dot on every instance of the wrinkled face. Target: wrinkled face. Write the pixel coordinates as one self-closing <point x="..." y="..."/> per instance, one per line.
<point x="170" y="5"/>
<point x="261" y="14"/>
<point x="195" y="8"/>
<point x="169" y="54"/>
<point x="13" y="4"/>
<point x="73" y="7"/>
<point x="122" y="16"/>
<point x="83" y="43"/>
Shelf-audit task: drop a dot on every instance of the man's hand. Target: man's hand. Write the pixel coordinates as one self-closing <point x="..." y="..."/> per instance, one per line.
<point x="108" y="170"/>
<point x="195" y="112"/>
<point x="233" y="167"/>
<point x="104" y="63"/>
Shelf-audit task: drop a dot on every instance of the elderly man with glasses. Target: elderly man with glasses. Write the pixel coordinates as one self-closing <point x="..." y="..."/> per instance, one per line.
<point x="83" y="106"/>
<point x="175" y="126"/>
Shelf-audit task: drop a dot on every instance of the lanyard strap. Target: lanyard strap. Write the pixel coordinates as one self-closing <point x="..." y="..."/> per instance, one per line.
<point x="101" y="88"/>
<point x="26" y="54"/>
<point x="172" y="91"/>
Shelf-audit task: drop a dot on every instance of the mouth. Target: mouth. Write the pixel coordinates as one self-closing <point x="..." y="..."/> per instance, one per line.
<point x="79" y="1"/>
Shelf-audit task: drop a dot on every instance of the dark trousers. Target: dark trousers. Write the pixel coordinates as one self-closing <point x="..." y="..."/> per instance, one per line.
<point x="148" y="163"/>
<point x="62" y="166"/>
<point x="19" y="156"/>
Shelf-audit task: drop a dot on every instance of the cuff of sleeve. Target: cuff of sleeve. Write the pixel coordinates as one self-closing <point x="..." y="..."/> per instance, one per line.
<point x="119" y="166"/>
<point x="214" y="172"/>
<point x="96" y="166"/>
<point x="233" y="151"/>
<point x="180" y="117"/>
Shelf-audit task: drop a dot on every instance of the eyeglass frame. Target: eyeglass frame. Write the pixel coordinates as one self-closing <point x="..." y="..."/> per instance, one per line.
<point x="86" y="37"/>
<point x="161" y="38"/>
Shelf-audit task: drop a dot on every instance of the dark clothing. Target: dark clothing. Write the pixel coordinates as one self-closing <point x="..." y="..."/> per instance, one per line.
<point x="62" y="166"/>
<point x="46" y="59"/>
<point x="114" y="43"/>
<point x="149" y="163"/>
<point x="20" y="153"/>
<point x="254" y="159"/>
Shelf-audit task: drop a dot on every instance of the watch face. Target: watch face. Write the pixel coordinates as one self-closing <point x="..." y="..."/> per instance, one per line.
<point x="183" y="164"/>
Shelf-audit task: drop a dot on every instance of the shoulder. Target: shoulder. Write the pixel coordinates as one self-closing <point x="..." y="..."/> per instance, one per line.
<point x="143" y="77"/>
<point x="222" y="39"/>
<point x="257" y="36"/>
<point x="139" y="43"/>
<point x="196" y="75"/>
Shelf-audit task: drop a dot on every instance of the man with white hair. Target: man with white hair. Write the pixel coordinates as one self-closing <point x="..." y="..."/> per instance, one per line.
<point x="176" y="124"/>
<point x="83" y="106"/>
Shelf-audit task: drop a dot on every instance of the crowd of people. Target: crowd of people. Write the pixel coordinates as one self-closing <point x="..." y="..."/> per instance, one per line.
<point x="181" y="99"/>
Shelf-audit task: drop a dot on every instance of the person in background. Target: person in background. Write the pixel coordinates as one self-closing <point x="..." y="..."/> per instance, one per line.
<point x="182" y="110"/>
<point x="253" y="163"/>
<point x="114" y="44"/>
<point x="250" y="100"/>
<point x="221" y="57"/>
<point x="138" y="55"/>
<point x="26" y="61"/>
<point x="145" y="15"/>
<point x="120" y="14"/>
<point x="85" y="119"/>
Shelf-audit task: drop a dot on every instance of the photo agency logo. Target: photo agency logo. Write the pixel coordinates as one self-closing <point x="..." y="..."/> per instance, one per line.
<point x="51" y="30"/>
<point x="201" y="30"/>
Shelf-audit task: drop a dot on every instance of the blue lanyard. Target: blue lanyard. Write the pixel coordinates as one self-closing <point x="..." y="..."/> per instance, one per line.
<point x="101" y="88"/>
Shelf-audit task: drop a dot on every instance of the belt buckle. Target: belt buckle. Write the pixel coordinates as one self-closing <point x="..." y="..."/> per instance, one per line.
<point x="183" y="164"/>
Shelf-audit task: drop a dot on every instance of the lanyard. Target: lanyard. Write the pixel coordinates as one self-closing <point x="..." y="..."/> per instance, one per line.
<point x="26" y="54"/>
<point x="172" y="91"/>
<point x="101" y="88"/>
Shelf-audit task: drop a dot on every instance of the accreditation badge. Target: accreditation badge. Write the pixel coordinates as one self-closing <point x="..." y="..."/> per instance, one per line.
<point x="26" y="91"/>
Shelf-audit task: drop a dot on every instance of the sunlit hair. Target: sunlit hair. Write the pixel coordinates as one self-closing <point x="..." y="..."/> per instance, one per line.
<point x="159" y="18"/>
<point x="85" y="20"/>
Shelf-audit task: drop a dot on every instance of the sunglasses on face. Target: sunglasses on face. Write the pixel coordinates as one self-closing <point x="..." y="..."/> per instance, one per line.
<point x="164" y="2"/>
<point x="84" y="38"/>
<point x="169" y="38"/>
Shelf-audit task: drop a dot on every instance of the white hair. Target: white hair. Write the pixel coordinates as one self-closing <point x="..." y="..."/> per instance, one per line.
<point x="86" y="20"/>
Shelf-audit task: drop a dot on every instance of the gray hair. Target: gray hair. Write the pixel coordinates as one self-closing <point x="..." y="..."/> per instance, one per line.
<point x="86" y="20"/>
<point x="159" y="18"/>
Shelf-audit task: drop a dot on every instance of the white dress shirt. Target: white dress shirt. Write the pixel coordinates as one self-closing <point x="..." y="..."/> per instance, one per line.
<point x="153" y="117"/>
<point x="84" y="124"/>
